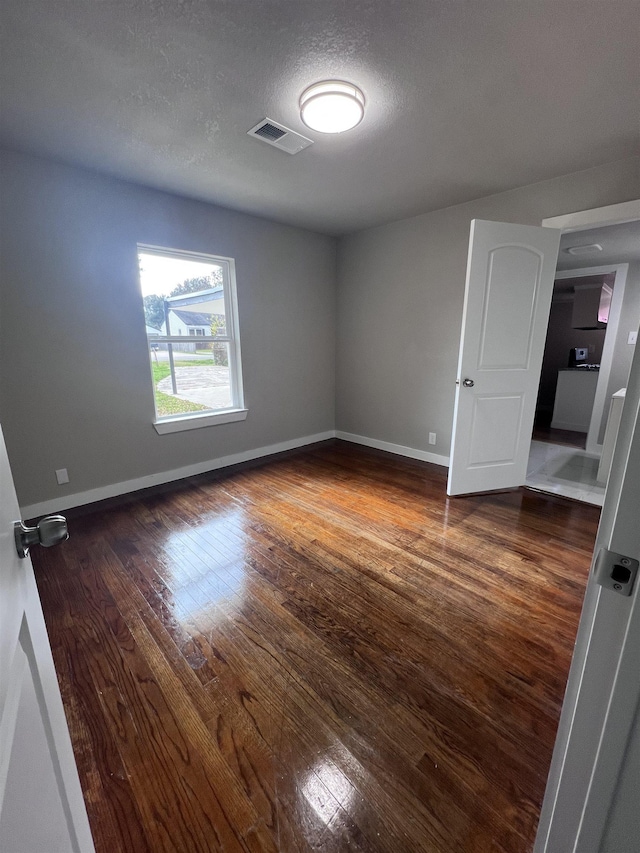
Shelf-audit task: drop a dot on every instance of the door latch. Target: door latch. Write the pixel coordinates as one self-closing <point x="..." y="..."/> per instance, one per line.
<point x="615" y="571"/>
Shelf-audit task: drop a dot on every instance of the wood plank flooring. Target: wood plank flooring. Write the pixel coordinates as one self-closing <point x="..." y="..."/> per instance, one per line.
<point x="320" y="653"/>
<point x="543" y="431"/>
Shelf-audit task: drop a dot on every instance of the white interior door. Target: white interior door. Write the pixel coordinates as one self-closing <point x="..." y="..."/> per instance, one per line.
<point x="593" y="793"/>
<point x="41" y="803"/>
<point x="510" y="273"/>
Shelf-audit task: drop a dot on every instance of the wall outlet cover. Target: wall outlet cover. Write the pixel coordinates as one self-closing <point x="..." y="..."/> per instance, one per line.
<point x="432" y="438"/>
<point x="633" y="337"/>
<point x="62" y="476"/>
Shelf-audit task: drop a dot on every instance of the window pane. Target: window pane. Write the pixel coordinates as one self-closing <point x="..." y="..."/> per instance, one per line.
<point x="182" y="296"/>
<point x="200" y="380"/>
<point x="185" y="296"/>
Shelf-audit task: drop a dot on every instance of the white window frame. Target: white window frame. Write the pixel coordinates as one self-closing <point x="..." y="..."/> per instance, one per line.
<point x="237" y="410"/>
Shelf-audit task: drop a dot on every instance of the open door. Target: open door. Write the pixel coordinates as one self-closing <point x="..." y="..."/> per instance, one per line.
<point x="41" y="803"/>
<point x="510" y="273"/>
<point x="591" y="802"/>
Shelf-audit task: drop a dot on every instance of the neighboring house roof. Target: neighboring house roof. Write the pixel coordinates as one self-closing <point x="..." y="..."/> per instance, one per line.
<point x="192" y="318"/>
<point x="186" y="300"/>
<point x="151" y="330"/>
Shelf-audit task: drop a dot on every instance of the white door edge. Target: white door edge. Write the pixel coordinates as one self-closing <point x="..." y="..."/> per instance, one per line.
<point x="41" y="801"/>
<point x="602" y="683"/>
<point x="579" y="730"/>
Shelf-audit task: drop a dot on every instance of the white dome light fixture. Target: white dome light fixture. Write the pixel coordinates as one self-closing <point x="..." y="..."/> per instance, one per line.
<point x="332" y="106"/>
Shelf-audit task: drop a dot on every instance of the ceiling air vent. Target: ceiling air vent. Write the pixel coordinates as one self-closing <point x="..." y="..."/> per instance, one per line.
<point x="270" y="132"/>
<point x="588" y="249"/>
<point x="276" y="134"/>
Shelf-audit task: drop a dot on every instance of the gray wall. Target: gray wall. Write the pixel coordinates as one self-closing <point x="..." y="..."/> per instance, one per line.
<point x="75" y="390"/>
<point x="74" y="375"/>
<point x="400" y="295"/>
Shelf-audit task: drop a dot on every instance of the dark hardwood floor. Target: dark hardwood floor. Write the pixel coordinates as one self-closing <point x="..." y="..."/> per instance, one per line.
<point x="543" y="431"/>
<point x="321" y="653"/>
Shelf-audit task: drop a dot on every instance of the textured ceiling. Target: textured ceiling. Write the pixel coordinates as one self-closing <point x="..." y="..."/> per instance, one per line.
<point x="463" y="98"/>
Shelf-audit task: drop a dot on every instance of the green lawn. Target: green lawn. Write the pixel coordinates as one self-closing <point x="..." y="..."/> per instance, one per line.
<point x="165" y="403"/>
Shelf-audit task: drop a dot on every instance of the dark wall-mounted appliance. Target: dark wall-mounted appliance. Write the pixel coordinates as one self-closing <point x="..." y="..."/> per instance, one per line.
<point x="578" y="356"/>
<point x="591" y="306"/>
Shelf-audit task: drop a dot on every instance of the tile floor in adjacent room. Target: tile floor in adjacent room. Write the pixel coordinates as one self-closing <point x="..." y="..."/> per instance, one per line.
<point x="566" y="471"/>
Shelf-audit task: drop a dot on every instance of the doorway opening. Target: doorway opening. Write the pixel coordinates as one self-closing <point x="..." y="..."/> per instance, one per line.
<point x="586" y="360"/>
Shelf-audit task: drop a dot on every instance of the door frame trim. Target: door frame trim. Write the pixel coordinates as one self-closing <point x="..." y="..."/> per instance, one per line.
<point x="613" y="214"/>
<point x="606" y="361"/>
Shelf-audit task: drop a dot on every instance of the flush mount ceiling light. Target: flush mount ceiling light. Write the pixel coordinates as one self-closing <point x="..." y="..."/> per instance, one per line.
<point x="332" y="106"/>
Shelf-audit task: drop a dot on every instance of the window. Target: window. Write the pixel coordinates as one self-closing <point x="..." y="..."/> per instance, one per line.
<point x="191" y="316"/>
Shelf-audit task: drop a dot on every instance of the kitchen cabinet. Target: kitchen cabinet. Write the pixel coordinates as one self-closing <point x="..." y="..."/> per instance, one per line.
<point x="575" y="393"/>
<point x="591" y="306"/>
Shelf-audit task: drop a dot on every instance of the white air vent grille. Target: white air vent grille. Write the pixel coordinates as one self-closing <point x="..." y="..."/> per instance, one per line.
<point x="270" y="131"/>
<point x="276" y="134"/>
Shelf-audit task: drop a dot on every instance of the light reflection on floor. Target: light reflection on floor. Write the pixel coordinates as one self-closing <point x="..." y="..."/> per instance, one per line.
<point x="326" y="788"/>
<point x="197" y="582"/>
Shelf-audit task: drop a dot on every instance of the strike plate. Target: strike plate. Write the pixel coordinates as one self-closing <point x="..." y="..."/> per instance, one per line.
<point x="616" y="571"/>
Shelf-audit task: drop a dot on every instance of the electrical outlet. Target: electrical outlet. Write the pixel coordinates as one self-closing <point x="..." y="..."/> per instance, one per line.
<point x="432" y="438"/>
<point x="633" y="337"/>
<point x="61" y="476"/>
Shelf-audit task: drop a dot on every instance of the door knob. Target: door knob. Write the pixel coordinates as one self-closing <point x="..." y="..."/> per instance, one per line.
<point x="48" y="531"/>
<point x="468" y="383"/>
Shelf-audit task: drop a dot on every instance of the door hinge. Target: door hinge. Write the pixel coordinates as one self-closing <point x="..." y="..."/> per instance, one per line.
<point x="615" y="571"/>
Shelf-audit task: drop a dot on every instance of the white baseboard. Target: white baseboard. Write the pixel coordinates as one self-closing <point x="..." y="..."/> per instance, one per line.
<point x="573" y="427"/>
<point x="126" y="486"/>
<point x="123" y="488"/>
<point x="594" y="449"/>
<point x="400" y="449"/>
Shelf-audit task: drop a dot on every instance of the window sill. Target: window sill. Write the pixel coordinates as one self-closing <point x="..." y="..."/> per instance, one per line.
<point x="184" y="422"/>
